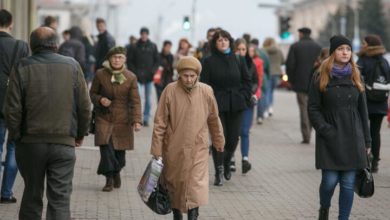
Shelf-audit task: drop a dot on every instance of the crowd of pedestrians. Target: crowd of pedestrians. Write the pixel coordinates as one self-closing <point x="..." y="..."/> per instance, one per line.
<point x="208" y="97"/>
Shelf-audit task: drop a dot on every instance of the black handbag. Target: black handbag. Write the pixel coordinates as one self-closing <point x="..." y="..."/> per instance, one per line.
<point x="159" y="201"/>
<point x="364" y="182"/>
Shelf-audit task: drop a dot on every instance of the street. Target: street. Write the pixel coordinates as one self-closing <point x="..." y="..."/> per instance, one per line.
<point x="283" y="182"/>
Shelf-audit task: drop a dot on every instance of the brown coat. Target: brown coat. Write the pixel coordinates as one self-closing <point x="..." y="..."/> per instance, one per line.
<point x="182" y="125"/>
<point x="124" y="111"/>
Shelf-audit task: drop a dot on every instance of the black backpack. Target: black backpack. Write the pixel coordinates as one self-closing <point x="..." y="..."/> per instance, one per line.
<point x="378" y="83"/>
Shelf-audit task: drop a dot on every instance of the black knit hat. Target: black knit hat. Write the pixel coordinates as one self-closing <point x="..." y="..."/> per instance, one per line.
<point x="337" y="41"/>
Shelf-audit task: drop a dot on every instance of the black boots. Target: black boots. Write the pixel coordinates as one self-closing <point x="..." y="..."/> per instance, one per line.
<point x="117" y="180"/>
<point x="193" y="214"/>
<point x="246" y="166"/>
<point x="323" y="214"/>
<point x="177" y="214"/>
<point x="226" y="170"/>
<point x="109" y="184"/>
<point x="219" y="176"/>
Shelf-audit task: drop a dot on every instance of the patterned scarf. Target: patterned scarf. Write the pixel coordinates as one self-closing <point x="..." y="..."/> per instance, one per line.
<point x="117" y="75"/>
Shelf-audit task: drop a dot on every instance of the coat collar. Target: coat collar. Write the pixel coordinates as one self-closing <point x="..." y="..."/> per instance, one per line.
<point x="5" y="34"/>
<point x="371" y="51"/>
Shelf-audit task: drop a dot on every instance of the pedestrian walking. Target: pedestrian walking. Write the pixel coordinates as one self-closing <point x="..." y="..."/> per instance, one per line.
<point x="241" y="49"/>
<point x="114" y="93"/>
<point x="276" y="60"/>
<point x="183" y="50"/>
<point x="12" y="51"/>
<point x="228" y="75"/>
<point x="90" y="60"/>
<point x="143" y="61"/>
<point x="205" y="50"/>
<point x="262" y="105"/>
<point x="47" y="112"/>
<point x="338" y="111"/>
<point x="105" y="42"/>
<point x="166" y="68"/>
<point x="51" y="22"/>
<point x="186" y="114"/>
<point x="299" y="66"/>
<point x="74" y="47"/>
<point x="370" y="55"/>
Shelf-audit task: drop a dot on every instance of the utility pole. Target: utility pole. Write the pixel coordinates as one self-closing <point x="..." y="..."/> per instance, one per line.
<point x="193" y="21"/>
<point x="356" y="35"/>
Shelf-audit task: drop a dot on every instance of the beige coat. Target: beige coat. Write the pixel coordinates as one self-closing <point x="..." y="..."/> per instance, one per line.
<point x="125" y="110"/>
<point x="181" y="131"/>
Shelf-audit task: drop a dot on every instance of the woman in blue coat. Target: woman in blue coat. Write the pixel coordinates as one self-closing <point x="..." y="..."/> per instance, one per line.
<point x="338" y="112"/>
<point x="371" y="53"/>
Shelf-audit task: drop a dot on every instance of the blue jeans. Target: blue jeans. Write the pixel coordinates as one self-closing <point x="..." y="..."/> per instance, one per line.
<point x="274" y="81"/>
<point x="10" y="167"/>
<point x="330" y="178"/>
<point x="145" y="91"/>
<point x="246" y="124"/>
<point x="263" y="104"/>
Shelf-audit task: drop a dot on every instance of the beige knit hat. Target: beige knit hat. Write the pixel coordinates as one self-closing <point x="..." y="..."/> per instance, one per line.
<point x="189" y="62"/>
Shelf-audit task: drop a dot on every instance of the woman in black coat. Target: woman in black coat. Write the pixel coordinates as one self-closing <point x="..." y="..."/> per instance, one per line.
<point x="228" y="75"/>
<point x="371" y="53"/>
<point x="338" y="112"/>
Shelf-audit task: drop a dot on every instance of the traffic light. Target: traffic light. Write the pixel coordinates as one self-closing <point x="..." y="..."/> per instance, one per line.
<point x="284" y="27"/>
<point x="186" y="23"/>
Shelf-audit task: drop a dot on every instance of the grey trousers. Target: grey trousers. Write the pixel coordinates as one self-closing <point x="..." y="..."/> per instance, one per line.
<point x="56" y="163"/>
<point x="303" y="99"/>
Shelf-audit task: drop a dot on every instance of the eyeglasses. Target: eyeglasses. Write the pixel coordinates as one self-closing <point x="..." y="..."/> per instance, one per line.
<point x="117" y="57"/>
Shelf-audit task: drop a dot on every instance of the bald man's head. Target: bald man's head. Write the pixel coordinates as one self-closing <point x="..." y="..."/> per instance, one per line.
<point x="43" y="38"/>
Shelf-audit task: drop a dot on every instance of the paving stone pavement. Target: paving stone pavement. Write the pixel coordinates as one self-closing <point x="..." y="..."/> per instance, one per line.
<point x="283" y="183"/>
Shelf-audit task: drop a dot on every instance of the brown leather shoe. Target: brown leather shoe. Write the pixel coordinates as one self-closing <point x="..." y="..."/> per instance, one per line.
<point x="109" y="185"/>
<point x="117" y="180"/>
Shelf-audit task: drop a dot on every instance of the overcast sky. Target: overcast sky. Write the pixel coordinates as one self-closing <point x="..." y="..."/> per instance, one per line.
<point x="236" y="16"/>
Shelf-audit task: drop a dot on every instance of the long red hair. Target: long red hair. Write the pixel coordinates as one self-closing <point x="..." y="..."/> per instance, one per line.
<point x="326" y="68"/>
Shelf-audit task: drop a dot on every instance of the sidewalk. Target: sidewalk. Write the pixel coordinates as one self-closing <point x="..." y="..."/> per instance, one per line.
<point x="283" y="182"/>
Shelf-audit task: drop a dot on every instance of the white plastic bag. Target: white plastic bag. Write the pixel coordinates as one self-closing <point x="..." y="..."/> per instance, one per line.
<point x="149" y="180"/>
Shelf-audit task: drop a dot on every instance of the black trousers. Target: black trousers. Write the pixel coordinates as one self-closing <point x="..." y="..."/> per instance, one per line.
<point x="56" y="163"/>
<point x="231" y="123"/>
<point x="375" y="127"/>
<point x="111" y="160"/>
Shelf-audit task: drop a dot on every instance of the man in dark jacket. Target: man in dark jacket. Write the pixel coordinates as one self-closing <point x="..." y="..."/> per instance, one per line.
<point x="143" y="60"/>
<point x="74" y="47"/>
<point x="299" y="65"/>
<point x="104" y="44"/>
<point x="12" y="51"/>
<point x="47" y="112"/>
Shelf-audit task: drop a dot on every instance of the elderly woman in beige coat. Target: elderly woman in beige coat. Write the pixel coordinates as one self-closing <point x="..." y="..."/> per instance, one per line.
<point x="115" y="96"/>
<point x="187" y="113"/>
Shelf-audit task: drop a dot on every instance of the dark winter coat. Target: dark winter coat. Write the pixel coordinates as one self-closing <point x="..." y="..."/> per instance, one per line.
<point x="143" y="60"/>
<point x="166" y="61"/>
<point x="228" y="75"/>
<point x="339" y="116"/>
<point x="253" y="72"/>
<point x="47" y="100"/>
<point x="8" y="59"/>
<point x="300" y="62"/>
<point x="74" y="48"/>
<point x="368" y="58"/>
<point x="104" y="44"/>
